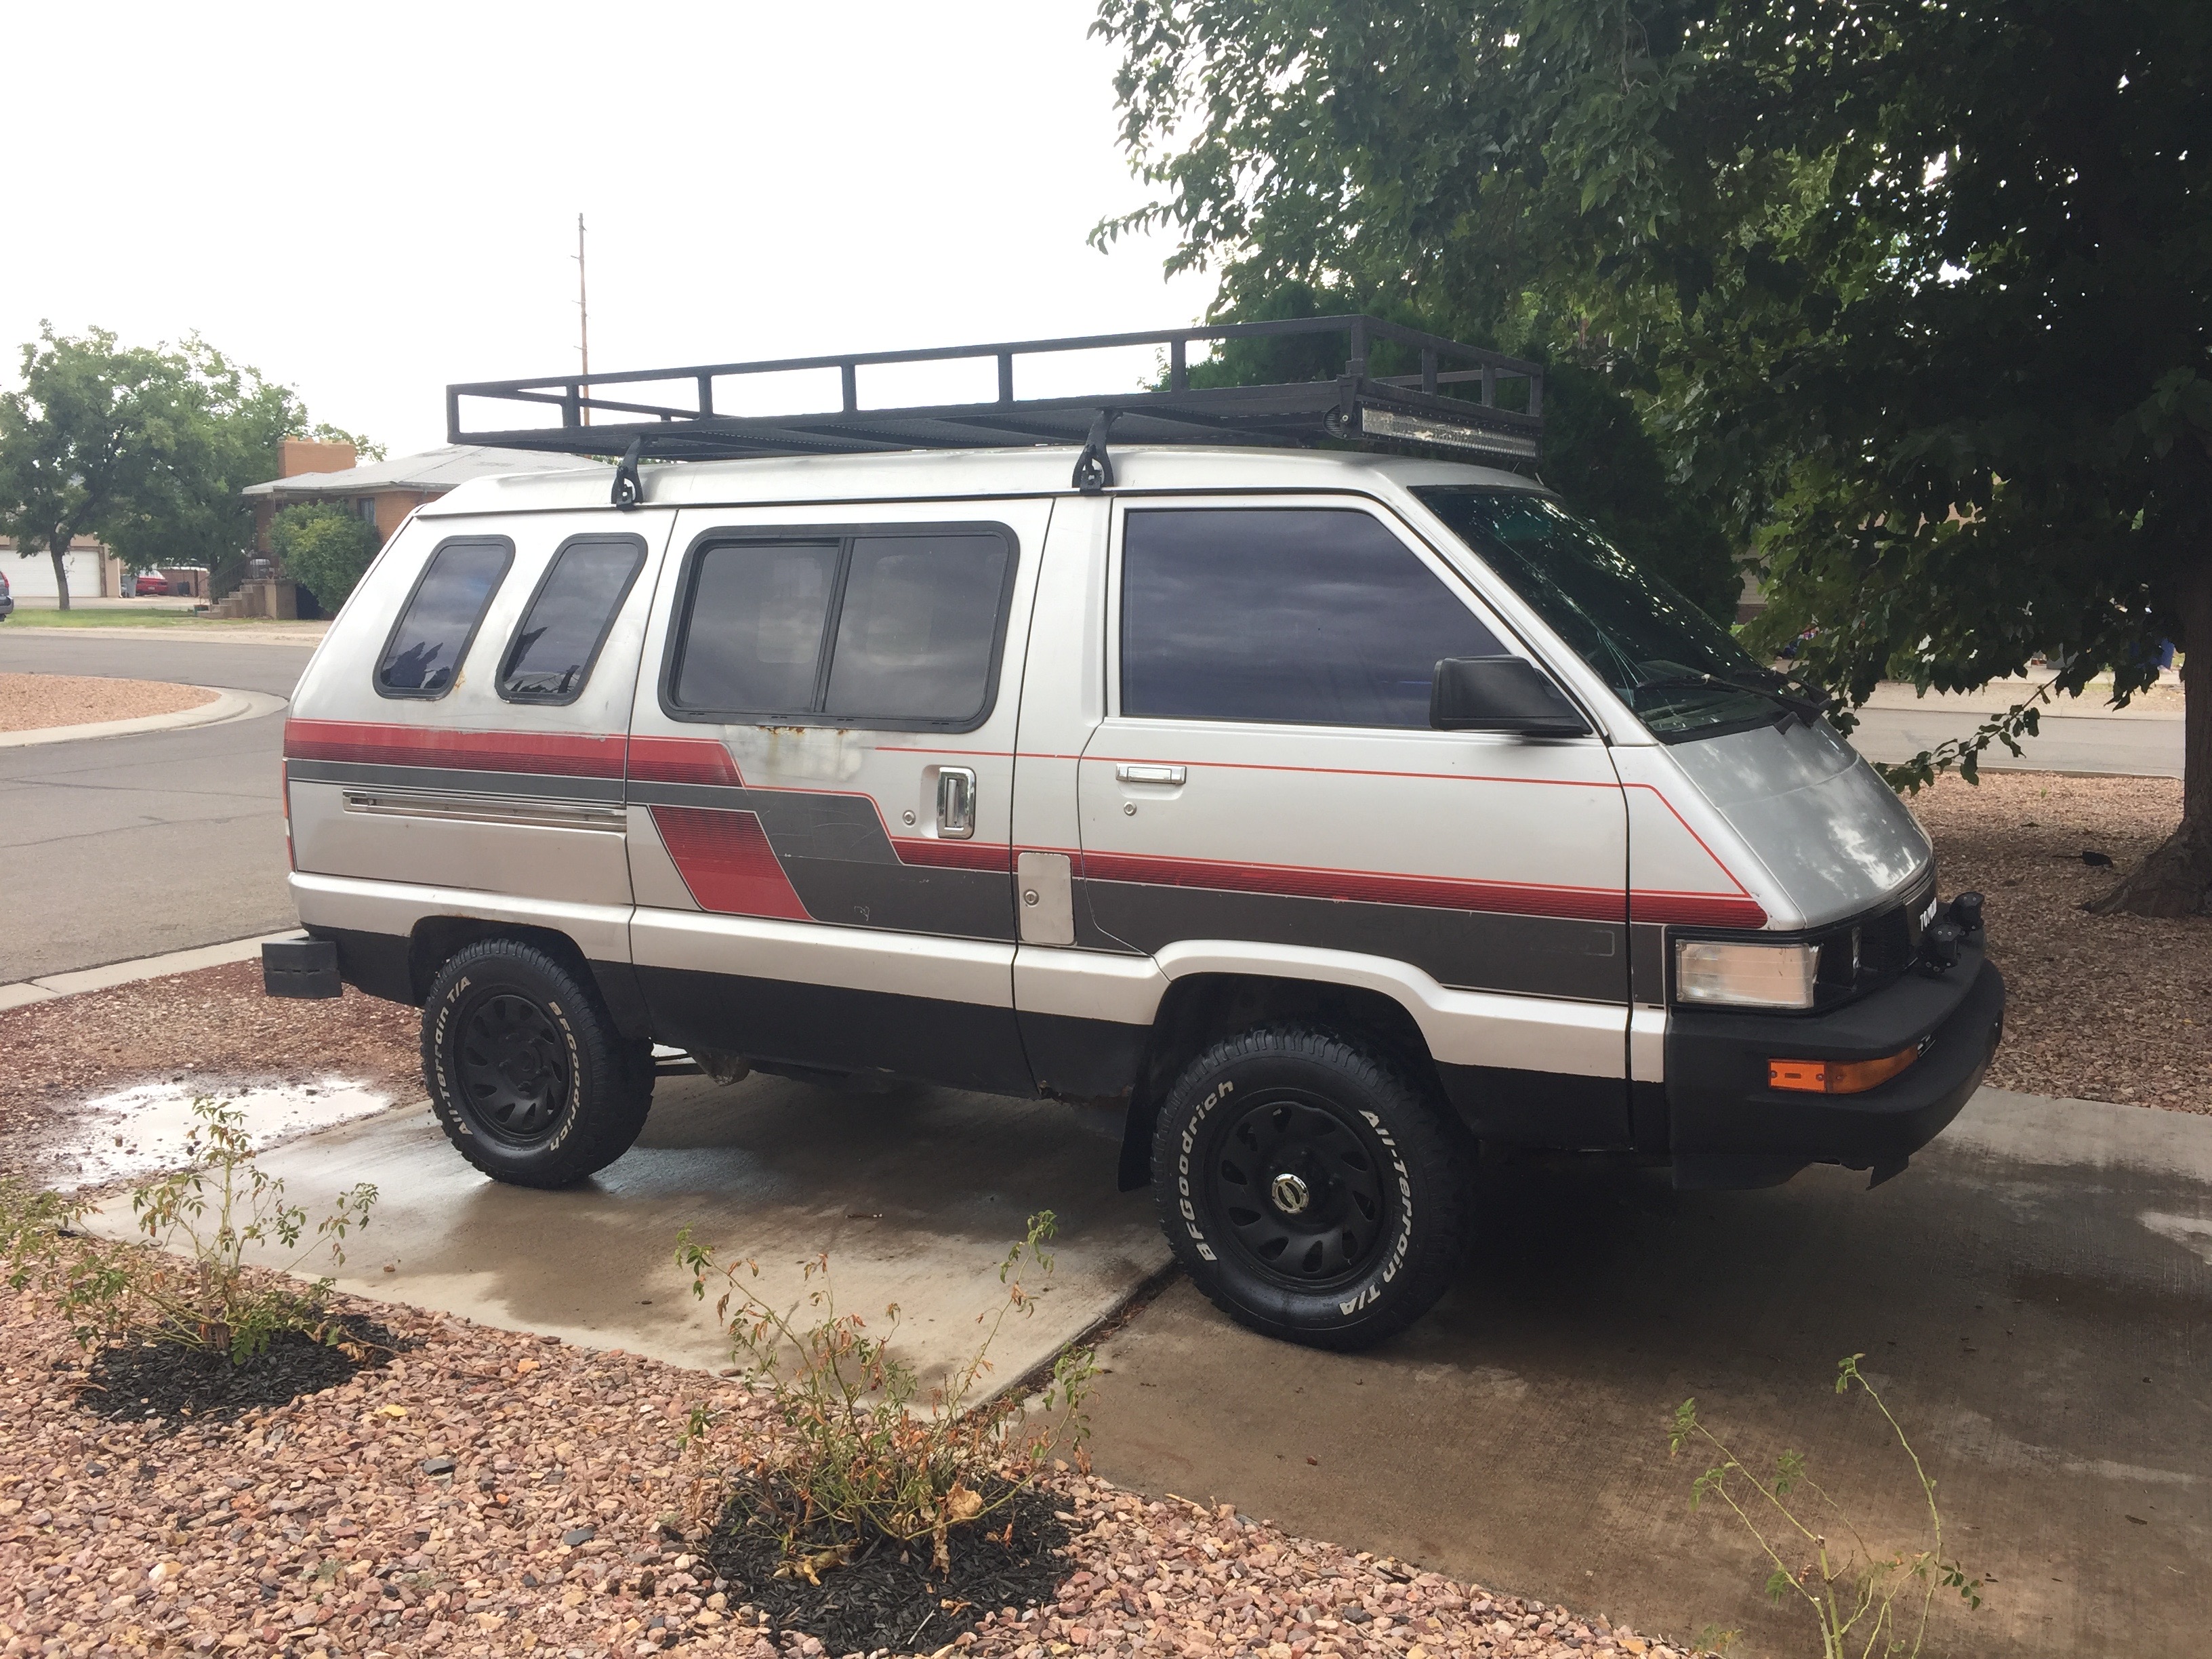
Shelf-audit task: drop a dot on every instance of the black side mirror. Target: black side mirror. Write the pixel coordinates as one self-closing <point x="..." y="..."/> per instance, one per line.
<point x="1501" y="694"/>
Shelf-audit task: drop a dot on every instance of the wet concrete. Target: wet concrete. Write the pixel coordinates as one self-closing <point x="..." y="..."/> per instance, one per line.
<point x="2033" y="1297"/>
<point x="915" y="1195"/>
<point x="149" y="1129"/>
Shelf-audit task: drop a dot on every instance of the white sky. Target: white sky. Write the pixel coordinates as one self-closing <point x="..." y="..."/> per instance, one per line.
<point x="369" y="202"/>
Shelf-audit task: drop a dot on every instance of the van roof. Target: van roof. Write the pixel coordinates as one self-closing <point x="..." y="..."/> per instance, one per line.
<point x="953" y="475"/>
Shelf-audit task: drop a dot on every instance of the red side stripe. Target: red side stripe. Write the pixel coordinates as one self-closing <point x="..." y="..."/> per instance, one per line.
<point x="1510" y="898"/>
<point x="725" y="860"/>
<point x="557" y="754"/>
<point x="682" y="760"/>
<point x="954" y="854"/>
<point x="1697" y="909"/>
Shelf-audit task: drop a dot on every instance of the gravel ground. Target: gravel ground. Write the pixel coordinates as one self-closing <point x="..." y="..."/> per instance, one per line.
<point x="213" y="1025"/>
<point x="2114" y="1008"/>
<point x="488" y="1493"/>
<point x="30" y="700"/>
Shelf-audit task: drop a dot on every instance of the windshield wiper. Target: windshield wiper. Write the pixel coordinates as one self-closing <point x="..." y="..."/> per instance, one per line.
<point x="1808" y="709"/>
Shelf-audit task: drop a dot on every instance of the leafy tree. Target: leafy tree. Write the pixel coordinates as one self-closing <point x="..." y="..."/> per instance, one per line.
<point x="1596" y="452"/>
<point x="82" y="440"/>
<point x="1920" y="293"/>
<point x="324" y="547"/>
<point x="145" y="448"/>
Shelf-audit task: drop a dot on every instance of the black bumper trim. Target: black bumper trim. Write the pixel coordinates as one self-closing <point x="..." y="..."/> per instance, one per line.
<point x="1728" y="1129"/>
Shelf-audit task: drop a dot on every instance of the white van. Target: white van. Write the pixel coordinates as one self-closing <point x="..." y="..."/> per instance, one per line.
<point x="1341" y="812"/>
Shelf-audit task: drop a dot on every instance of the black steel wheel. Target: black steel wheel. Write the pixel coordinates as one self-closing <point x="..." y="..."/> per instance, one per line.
<point x="513" y="1065"/>
<point x="526" y="1072"/>
<point x="1313" y="1188"/>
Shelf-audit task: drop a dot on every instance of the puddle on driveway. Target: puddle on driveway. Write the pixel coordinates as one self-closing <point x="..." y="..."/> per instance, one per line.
<point x="142" y="1131"/>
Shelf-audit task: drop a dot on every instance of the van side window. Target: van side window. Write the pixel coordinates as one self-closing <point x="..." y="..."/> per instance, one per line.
<point x="568" y="618"/>
<point x="915" y="630"/>
<point x="890" y="629"/>
<point x="753" y="640"/>
<point x="441" y="616"/>
<point x="1296" y="616"/>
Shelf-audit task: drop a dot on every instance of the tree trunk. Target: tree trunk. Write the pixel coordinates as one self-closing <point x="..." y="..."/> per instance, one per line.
<point x="57" y="551"/>
<point x="2176" y="879"/>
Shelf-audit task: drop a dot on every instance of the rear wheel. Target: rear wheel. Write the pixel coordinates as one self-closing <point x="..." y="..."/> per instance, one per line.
<point x="1313" y="1189"/>
<point x="528" y="1074"/>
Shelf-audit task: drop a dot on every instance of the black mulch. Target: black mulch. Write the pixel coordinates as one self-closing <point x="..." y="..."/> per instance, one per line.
<point x="889" y="1597"/>
<point x="177" y="1385"/>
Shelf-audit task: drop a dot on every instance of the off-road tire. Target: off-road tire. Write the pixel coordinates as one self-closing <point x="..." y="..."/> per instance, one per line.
<point x="585" y="1089"/>
<point x="1290" y="1100"/>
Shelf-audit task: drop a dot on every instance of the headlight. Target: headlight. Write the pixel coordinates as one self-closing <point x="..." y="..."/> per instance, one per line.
<point x="1745" y="975"/>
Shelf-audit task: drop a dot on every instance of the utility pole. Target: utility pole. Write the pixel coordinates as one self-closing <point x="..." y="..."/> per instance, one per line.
<point x="583" y="317"/>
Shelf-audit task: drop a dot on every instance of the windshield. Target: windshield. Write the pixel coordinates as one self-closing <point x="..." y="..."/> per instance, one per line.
<point x="1655" y="649"/>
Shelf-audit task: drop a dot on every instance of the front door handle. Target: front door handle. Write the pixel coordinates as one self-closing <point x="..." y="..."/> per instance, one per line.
<point x="956" y="802"/>
<point x="1129" y="772"/>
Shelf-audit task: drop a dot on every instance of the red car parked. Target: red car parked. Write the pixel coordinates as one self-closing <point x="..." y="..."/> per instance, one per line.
<point x="152" y="587"/>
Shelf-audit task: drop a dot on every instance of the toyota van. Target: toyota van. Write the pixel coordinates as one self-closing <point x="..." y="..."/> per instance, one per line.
<point x="1286" y="764"/>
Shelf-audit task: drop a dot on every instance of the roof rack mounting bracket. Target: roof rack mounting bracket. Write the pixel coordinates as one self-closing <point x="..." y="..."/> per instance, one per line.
<point x="630" y="488"/>
<point x="1094" y="467"/>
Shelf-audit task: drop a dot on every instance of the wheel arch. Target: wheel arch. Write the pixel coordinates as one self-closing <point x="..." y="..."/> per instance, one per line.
<point x="435" y="940"/>
<point x="1201" y="1007"/>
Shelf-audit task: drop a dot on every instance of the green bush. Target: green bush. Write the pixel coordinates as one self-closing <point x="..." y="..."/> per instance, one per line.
<point x="324" y="548"/>
<point x="862" y="1457"/>
<point x="1853" y="1589"/>
<point x="192" y="1288"/>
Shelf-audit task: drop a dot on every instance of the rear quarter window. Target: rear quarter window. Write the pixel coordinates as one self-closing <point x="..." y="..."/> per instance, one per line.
<point x="567" y="622"/>
<point x="430" y="641"/>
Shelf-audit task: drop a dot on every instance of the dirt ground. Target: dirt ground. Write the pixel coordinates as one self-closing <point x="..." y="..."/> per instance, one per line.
<point x="2113" y="1008"/>
<point x="28" y="701"/>
<point x="215" y="1024"/>
<point x="489" y="1493"/>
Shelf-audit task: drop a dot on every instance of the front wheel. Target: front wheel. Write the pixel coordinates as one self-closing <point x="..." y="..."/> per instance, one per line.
<point x="528" y="1074"/>
<point x="1313" y="1189"/>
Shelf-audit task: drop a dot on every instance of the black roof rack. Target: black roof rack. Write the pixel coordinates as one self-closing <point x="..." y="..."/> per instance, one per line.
<point x="1389" y="411"/>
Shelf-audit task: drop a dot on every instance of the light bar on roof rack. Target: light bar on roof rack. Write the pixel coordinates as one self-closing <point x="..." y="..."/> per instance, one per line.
<point x="1445" y="435"/>
<point x="1449" y="404"/>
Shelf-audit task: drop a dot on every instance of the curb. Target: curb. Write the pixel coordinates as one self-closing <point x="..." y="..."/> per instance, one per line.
<point x="308" y="636"/>
<point x="24" y="992"/>
<point x="227" y="705"/>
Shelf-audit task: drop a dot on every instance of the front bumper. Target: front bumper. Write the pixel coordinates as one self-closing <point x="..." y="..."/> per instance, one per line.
<point x="1728" y="1129"/>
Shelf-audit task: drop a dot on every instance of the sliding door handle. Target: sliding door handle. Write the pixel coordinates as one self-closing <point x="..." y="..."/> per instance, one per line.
<point x="1129" y="772"/>
<point x="956" y="802"/>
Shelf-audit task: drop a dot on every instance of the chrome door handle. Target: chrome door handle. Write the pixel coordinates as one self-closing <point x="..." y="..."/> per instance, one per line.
<point x="1127" y="772"/>
<point x="956" y="803"/>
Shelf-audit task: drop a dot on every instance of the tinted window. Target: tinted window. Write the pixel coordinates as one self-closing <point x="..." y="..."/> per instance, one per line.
<point x="568" y="619"/>
<point x="916" y="627"/>
<point x="753" y="641"/>
<point x="426" y="648"/>
<point x="1304" y="616"/>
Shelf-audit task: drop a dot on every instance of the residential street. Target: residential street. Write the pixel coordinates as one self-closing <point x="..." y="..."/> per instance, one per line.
<point x="2135" y="745"/>
<point x="130" y="846"/>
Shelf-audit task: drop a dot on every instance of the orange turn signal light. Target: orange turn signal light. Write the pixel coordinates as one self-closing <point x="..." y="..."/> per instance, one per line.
<point x="1837" y="1076"/>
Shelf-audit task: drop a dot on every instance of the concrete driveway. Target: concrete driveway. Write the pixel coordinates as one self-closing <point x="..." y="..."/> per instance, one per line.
<point x="125" y="847"/>
<point x="2034" y="1297"/>
<point x="914" y="1193"/>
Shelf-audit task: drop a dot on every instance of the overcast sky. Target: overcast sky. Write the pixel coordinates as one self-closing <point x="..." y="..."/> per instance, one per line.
<point x="369" y="202"/>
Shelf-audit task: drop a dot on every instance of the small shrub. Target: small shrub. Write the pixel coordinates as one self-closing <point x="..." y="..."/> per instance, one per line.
<point x="1853" y="1593"/>
<point x="324" y="547"/>
<point x="193" y="1289"/>
<point x="860" y="1461"/>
